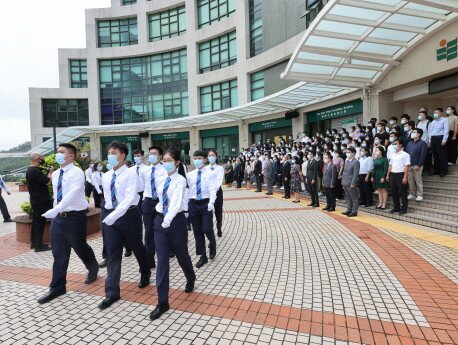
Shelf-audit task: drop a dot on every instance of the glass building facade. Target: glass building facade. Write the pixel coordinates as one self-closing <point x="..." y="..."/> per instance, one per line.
<point x="257" y="85"/>
<point x="218" y="96"/>
<point x="218" y="53"/>
<point x="256" y="44"/>
<point x="78" y="74"/>
<point x="210" y="11"/>
<point x="167" y="24"/>
<point x="147" y="88"/>
<point x="117" y="32"/>
<point x="65" y="112"/>
<point x="128" y="2"/>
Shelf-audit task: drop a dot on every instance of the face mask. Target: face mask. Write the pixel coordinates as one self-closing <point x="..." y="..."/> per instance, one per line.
<point x="358" y="130"/>
<point x="376" y="141"/>
<point x="169" y="166"/>
<point x="403" y="121"/>
<point x="379" y="129"/>
<point x="335" y="155"/>
<point x="352" y="145"/>
<point x="109" y="167"/>
<point x="138" y="160"/>
<point x="198" y="163"/>
<point x="113" y="160"/>
<point x="99" y="168"/>
<point x="392" y="122"/>
<point x="334" y="148"/>
<point x="310" y="157"/>
<point x="414" y="135"/>
<point x="363" y="153"/>
<point x="350" y="154"/>
<point x="420" y="117"/>
<point x="152" y="159"/>
<point x="344" y="135"/>
<point x="60" y="158"/>
<point x="406" y="129"/>
<point x="91" y="166"/>
<point x="212" y="159"/>
<point x="363" y="145"/>
<point x="436" y="116"/>
<point x="448" y="112"/>
<point x="343" y="148"/>
<point x="377" y="153"/>
<point x="391" y="139"/>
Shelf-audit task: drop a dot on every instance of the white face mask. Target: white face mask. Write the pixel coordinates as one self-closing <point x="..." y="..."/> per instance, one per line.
<point x="414" y="135"/>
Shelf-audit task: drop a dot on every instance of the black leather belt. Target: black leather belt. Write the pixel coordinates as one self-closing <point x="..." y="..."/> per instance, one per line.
<point x="195" y="201"/>
<point x="130" y="208"/>
<point x="162" y="215"/>
<point x="155" y="200"/>
<point x="72" y="213"/>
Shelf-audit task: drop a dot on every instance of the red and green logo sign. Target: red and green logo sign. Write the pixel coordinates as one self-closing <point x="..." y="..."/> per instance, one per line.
<point x="447" y="50"/>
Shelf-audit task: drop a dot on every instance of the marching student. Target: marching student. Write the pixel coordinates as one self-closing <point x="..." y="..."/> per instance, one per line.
<point x="97" y="181"/>
<point x="123" y="223"/>
<point x="88" y="185"/>
<point x="170" y="229"/>
<point x="150" y="176"/>
<point x="200" y="203"/>
<point x="139" y="167"/>
<point x="68" y="225"/>
<point x="3" y="207"/>
<point x="219" y="172"/>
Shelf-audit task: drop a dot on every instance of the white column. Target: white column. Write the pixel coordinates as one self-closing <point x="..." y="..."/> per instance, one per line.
<point x="192" y="60"/>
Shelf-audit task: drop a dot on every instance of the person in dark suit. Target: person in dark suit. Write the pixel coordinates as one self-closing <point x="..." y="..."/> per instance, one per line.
<point x="329" y="182"/>
<point x="257" y="174"/>
<point x="311" y="178"/>
<point x="350" y="178"/>
<point x="40" y="200"/>
<point x="286" y="176"/>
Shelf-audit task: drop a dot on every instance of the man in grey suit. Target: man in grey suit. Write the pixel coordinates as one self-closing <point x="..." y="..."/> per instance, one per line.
<point x="329" y="182"/>
<point x="311" y="179"/>
<point x="267" y="170"/>
<point x="350" y="177"/>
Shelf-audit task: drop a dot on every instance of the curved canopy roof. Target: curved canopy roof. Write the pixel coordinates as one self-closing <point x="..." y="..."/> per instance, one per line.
<point x="355" y="42"/>
<point x="296" y="96"/>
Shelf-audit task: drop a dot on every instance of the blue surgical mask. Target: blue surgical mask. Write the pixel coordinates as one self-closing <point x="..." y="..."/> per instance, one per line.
<point x="113" y="160"/>
<point x="379" y="129"/>
<point x="406" y="129"/>
<point x="138" y="160"/>
<point x="169" y="166"/>
<point x="198" y="163"/>
<point x="99" y="168"/>
<point x="109" y="167"/>
<point x="152" y="159"/>
<point x="436" y="116"/>
<point x="60" y="158"/>
<point x="391" y="139"/>
<point x="420" y="117"/>
<point x="211" y="159"/>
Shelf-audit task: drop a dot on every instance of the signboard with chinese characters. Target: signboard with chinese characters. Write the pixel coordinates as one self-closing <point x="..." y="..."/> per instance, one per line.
<point x="270" y="124"/>
<point x="345" y="109"/>
<point x="170" y="136"/>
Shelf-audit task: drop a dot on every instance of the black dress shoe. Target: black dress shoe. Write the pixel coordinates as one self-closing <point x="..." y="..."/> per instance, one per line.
<point x="332" y="209"/>
<point x="51" y="295"/>
<point x="283" y="197"/>
<point x="107" y="302"/>
<point x="346" y="212"/>
<point x="144" y="281"/>
<point x="269" y="193"/>
<point x="212" y="256"/>
<point x="202" y="261"/>
<point x="316" y="205"/>
<point x="42" y="248"/>
<point x="353" y="214"/>
<point x="92" y="276"/>
<point x="394" y="211"/>
<point x="325" y="208"/>
<point x="287" y="197"/>
<point x="7" y="220"/>
<point x="403" y="212"/>
<point x="128" y="253"/>
<point x="310" y="204"/>
<point x="220" y="233"/>
<point x="158" y="311"/>
<point x="103" y="263"/>
<point x="171" y="255"/>
<point x="189" y="286"/>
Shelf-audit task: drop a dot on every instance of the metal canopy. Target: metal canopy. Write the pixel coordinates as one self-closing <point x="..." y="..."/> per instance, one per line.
<point x="296" y="96"/>
<point x="356" y="42"/>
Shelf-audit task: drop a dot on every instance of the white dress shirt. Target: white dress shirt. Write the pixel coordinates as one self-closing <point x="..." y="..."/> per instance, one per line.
<point x="439" y="127"/>
<point x="175" y="194"/>
<point x="366" y="164"/>
<point x="139" y="168"/>
<point x="424" y="126"/>
<point x="97" y="180"/>
<point x="73" y="198"/>
<point x="390" y="151"/>
<point x="126" y="192"/>
<point x="399" y="161"/>
<point x="208" y="185"/>
<point x="3" y="185"/>
<point x="88" y="173"/>
<point x="218" y="170"/>
<point x="159" y="171"/>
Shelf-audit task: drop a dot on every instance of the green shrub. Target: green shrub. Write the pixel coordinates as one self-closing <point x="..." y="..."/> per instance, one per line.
<point x="23" y="180"/>
<point x="26" y="207"/>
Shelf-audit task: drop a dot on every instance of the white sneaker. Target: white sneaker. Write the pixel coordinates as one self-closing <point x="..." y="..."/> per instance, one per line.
<point x="282" y="187"/>
<point x="410" y="196"/>
<point x="419" y="198"/>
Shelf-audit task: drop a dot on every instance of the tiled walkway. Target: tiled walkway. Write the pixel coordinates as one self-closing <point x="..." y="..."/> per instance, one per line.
<point x="284" y="273"/>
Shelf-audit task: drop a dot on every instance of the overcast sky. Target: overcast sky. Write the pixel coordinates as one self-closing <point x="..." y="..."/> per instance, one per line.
<point x="30" y="33"/>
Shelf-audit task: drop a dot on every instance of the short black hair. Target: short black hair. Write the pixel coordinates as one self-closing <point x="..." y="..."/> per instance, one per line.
<point x="400" y="141"/>
<point x="137" y="151"/>
<point x="405" y="116"/>
<point x="117" y="145"/>
<point x="351" y="149"/>
<point x="70" y="147"/>
<point x="200" y="153"/>
<point x="411" y="123"/>
<point x="440" y="109"/>
<point x="394" y="118"/>
<point x="419" y="131"/>
<point x="159" y="149"/>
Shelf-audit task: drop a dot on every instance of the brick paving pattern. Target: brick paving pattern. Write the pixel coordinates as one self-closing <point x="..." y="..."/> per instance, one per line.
<point x="284" y="273"/>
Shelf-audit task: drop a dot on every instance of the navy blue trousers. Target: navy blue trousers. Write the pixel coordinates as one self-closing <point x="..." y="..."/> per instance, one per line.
<point x="68" y="233"/>
<point x="202" y="225"/>
<point x="127" y="229"/>
<point x="149" y="214"/>
<point x="174" y="238"/>
<point x="219" y="208"/>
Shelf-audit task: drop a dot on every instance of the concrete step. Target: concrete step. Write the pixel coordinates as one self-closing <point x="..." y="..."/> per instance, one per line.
<point x="444" y="189"/>
<point x="439" y="195"/>
<point x="452" y="183"/>
<point x="445" y="179"/>
<point x="429" y="202"/>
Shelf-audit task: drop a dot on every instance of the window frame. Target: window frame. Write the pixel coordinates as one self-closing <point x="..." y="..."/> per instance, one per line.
<point x="120" y="28"/>
<point x="255" y="27"/>
<point x="213" y="48"/>
<point x="215" y="6"/>
<point x="179" y="12"/>
<point x="78" y="64"/>
<point x="64" y="107"/>
<point x="219" y="93"/>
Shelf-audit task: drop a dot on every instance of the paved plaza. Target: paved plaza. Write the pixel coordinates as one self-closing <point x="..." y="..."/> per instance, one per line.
<point x="284" y="274"/>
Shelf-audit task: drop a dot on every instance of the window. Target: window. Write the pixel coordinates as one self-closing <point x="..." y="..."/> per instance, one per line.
<point x="78" y="74"/>
<point x="218" y="96"/>
<point x="147" y="88"/>
<point x="210" y="11"/>
<point x="167" y="24"/>
<point x="46" y="138"/>
<point x="117" y="32"/>
<point x="65" y="112"/>
<point x="256" y="44"/>
<point x="313" y="8"/>
<point x="218" y="53"/>
<point x="128" y="2"/>
<point x="257" y="85"/>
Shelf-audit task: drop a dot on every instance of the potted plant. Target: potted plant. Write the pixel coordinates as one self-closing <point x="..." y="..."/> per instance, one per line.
<point x="23" y="185"/>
